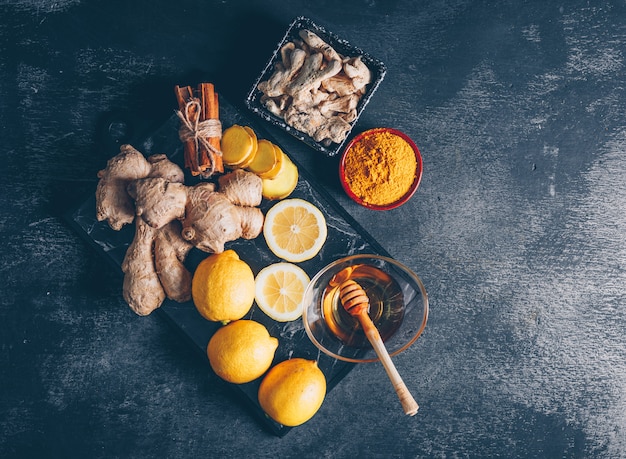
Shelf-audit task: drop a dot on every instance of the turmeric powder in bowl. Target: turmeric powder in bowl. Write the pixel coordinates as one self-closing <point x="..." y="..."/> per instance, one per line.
<point x="381" y="168"/>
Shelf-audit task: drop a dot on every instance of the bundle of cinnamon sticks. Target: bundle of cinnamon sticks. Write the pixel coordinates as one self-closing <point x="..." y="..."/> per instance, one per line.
<point x="200" y="129"/>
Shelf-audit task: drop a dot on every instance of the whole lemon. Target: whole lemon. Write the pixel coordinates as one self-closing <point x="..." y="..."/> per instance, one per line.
<point x="223" y="287"/>
<point x="292" y="391"/>
<point x="241" y="351"/>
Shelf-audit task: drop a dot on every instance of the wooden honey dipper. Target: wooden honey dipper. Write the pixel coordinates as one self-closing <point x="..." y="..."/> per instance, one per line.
<point x="356" y="302"/>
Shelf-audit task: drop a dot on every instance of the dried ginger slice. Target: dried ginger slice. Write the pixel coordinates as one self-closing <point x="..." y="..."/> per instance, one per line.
<point x="274" y="171"/>
<point x="283" y="184"/>
<point x="239" y="145"/>
<point x="265" y="158"/>
<point x="255" y="145"/>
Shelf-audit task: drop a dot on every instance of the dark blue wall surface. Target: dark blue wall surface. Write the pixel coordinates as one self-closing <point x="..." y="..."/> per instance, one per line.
<point x="517" y="229"/>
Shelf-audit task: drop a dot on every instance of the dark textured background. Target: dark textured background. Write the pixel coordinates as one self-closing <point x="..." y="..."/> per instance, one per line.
<point x="517" y="229"/>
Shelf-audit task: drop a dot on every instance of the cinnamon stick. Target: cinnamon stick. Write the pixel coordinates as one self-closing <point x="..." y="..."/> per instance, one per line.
<point x="183" y="95"/>
<point x="210" y="111"/>
<point x="202" y="155"/>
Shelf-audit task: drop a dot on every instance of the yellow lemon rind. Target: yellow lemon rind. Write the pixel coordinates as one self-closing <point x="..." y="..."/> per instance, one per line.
<point x="220" y="295"/>
<point x="292" y="391"/>
<point x="241" y="351"/>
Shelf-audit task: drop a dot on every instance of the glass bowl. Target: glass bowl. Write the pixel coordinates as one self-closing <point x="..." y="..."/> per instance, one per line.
<point x="417" y="174"/>
<point x="398" y="307"/>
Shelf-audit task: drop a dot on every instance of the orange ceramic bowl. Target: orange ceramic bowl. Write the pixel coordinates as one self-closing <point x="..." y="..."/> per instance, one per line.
<point x="345" y="182"/>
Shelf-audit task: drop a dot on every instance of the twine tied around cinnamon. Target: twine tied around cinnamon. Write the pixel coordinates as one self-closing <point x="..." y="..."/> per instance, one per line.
<point x="199" y="131"/>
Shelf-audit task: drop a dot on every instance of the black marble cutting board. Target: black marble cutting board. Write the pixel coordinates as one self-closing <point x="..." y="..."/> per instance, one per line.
<point x="345" y="237"/>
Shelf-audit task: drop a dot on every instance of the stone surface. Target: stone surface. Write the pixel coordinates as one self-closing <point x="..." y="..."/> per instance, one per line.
<point x="517" y="229"/>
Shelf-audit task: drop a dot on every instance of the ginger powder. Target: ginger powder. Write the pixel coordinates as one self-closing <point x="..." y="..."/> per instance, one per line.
<point x="380" y="168"/>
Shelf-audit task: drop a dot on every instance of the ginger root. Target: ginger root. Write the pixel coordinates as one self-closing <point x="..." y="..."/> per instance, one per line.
<point x="142" y="288"/>
<point x="241" y="188"/>
<point x="157" y="200"/>
<point x="314" y="89"/>
<point x="212" y="219"/>
<point x="113" y="203"/>
<point x="170" y="219"/>
<point x="209" y="218"/>
<point x="152" y="266"/>
<point x="170" y="252"/>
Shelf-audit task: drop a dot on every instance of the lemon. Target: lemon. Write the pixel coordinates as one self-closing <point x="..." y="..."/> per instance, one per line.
<point x="292" y="391"/>
<point x="223" y="287"/>
<point x="241" y="351"/>
<point x="295" y="230"/>
<point x="280" y="289"/>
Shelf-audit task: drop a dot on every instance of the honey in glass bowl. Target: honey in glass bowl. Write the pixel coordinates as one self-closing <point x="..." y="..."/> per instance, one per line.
<point x="398" y="307"/>
<point x="386" y="305"/>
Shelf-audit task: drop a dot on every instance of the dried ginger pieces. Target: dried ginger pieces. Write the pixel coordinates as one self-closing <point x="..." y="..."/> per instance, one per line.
<point x="314" y="89"/>
<point x="171" y="218"/>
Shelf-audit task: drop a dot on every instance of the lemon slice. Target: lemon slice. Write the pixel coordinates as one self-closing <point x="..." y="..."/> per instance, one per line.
<point x="279" y="291"/>
<point x="295" y="230"/>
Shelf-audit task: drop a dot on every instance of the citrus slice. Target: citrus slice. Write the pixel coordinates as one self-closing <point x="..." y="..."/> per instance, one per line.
<point x="279" y="291"/>
<point x="295" y="230"/>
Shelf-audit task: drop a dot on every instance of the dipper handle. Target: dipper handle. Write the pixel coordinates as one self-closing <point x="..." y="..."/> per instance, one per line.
<point x="356" y="302"/>
<point x="409" y="404"/>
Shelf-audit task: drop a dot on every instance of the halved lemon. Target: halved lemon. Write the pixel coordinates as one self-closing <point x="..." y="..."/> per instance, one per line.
<point x="295" y="230"/>
<point x="279" y="290"/>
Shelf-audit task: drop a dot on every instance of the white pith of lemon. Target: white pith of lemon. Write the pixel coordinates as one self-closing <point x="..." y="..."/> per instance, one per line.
<point x="280" y="290"/>
<point x="295" y="230"/>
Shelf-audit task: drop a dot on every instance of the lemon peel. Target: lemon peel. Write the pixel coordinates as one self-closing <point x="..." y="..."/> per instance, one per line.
<point x="292" y="391"/>
<point x="241" y="351"/>
<point x="222" y="287"/>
